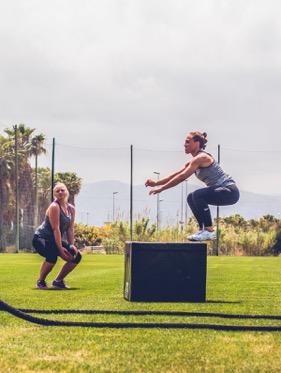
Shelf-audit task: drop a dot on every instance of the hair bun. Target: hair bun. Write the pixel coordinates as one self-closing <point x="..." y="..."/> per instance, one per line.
<point x="204" y="134"/>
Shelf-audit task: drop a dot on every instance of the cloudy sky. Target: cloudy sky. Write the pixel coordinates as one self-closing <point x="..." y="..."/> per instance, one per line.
<point x="107" y="74"/>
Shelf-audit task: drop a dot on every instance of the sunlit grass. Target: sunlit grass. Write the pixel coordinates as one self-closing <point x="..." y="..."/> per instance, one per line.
<point x="240" y="285"/>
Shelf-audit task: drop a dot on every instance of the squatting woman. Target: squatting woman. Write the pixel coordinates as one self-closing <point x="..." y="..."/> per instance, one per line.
<point x="55" y="237"/>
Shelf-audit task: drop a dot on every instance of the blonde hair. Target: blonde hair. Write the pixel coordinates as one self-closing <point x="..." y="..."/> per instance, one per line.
<point x="62" y="185"/>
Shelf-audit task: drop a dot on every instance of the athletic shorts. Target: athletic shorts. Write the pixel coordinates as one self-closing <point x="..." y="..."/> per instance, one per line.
<point x="48" y="248"/>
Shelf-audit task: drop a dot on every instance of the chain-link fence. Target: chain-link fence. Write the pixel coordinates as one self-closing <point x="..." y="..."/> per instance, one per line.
<point x="99" y="183"/>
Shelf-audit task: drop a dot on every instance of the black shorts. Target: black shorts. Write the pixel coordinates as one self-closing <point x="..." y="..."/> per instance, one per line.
<point x="48" y="248"/>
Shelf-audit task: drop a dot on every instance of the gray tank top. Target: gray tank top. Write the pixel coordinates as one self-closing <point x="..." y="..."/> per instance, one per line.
<point x="213" y="175"/>
<point x="45" y="230"/>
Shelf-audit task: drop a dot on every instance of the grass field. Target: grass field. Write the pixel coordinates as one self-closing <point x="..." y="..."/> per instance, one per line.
<point x="240" y="285"/>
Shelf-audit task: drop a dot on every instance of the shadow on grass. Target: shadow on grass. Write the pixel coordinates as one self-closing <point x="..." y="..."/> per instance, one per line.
<point x="55" y="289"/>
<point x="223" y="301"/>
<point x="152" y="313"/>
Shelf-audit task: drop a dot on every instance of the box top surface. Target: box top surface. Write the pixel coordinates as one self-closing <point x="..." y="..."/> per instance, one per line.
<point x="167" y="245"/>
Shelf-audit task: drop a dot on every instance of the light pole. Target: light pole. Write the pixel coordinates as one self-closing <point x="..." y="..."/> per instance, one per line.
<point x="186" y="190"/>
<point x="160" y="214"/>
<point x="181" y="221"/>
<point x="113" y="205"/>
<point x="17" y="191"/>
<point x="158" y="202"/>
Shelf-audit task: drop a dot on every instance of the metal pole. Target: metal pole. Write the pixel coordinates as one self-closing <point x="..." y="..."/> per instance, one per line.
<point x="53" y="169"/>
<point x="17" y="191"/>
<point x="158" y="207"/>
<point x="218" y="210"/>
<point x="185" y="215"/>
<point x="159" y="214"/>
<point x="131" y="194"/>
<point x="158" y="203"/>
<point x="36" y="188"/>
<point x="181" y="221"/>
<point x="113" y="206"/>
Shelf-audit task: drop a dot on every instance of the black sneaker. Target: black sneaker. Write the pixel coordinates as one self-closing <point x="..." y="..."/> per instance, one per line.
<point x="42" y="285"/>
<point x="60" y="285"/>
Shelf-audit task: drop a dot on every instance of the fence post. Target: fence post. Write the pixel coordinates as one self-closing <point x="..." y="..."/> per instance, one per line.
<point x="53" y="169"/>
<point x="218" y="211"/>
<point x="36" y="186"/>
<point x="186" y="191"/>
<point x="131" y="194"/>
<point x="17" y="190"/>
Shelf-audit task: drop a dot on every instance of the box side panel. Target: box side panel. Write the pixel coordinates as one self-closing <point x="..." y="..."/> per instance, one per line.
<point x="162" y="273"/>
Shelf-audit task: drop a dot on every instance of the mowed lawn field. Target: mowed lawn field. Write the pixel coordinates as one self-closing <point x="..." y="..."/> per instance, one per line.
<point x="235" y="285"/>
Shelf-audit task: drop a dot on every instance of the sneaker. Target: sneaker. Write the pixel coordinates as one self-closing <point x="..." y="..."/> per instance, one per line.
<point x="60" y="285"/>
<point x="42" y="285"/>
<point x="191" y="237"/>
<point x="202" y="236"/>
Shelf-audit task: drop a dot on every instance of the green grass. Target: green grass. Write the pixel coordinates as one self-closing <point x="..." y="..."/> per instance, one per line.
<point x="242" y="285"/>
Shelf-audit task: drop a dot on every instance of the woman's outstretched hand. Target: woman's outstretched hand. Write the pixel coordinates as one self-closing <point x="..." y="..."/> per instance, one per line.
<point x="155" y="190"/>
<point x="150" y="183"/>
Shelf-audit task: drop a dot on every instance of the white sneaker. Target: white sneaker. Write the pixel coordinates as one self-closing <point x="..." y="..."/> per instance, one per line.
<point x="202" y="236"/>
<point x="194" y="235"/>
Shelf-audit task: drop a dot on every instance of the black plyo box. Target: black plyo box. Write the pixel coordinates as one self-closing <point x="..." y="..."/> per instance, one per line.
<point x="165" y="272"/>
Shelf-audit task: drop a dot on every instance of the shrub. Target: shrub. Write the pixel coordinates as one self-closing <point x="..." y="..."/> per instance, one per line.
<point x="237" y="236"/>
<point x="113" y="245"/>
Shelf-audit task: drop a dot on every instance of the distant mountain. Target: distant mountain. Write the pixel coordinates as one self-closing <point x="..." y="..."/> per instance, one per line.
<point x="94" y="205"/>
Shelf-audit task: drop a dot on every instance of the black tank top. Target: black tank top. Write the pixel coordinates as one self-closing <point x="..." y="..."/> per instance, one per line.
<point x="45" y="230"/>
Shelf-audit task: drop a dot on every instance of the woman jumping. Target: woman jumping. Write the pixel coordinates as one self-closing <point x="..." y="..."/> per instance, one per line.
<point x="221" y="189"/>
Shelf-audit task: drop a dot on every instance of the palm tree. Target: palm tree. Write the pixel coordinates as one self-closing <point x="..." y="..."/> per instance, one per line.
<point x="36" y="149"/>
<point x="44" y="191"/>
<point x="28" y="182"/>
<point x="28" y="146"/>
<point x="6" y="169"/>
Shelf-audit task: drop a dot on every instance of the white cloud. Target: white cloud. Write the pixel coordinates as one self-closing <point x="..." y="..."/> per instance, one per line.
<point x="144" y="72"/>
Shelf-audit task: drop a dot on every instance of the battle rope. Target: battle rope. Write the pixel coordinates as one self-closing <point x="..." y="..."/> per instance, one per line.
<point x="23" y="315"/>
<point x="151" y="313"/>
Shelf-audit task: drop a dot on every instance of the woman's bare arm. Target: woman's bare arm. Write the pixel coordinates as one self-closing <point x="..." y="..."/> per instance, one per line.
<point x="70" y="231"/>
<point x="185" y="173"/>
<point x="153" y="183"/>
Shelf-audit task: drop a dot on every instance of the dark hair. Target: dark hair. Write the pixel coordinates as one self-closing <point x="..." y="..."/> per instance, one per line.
<point x="201" y="137"/>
